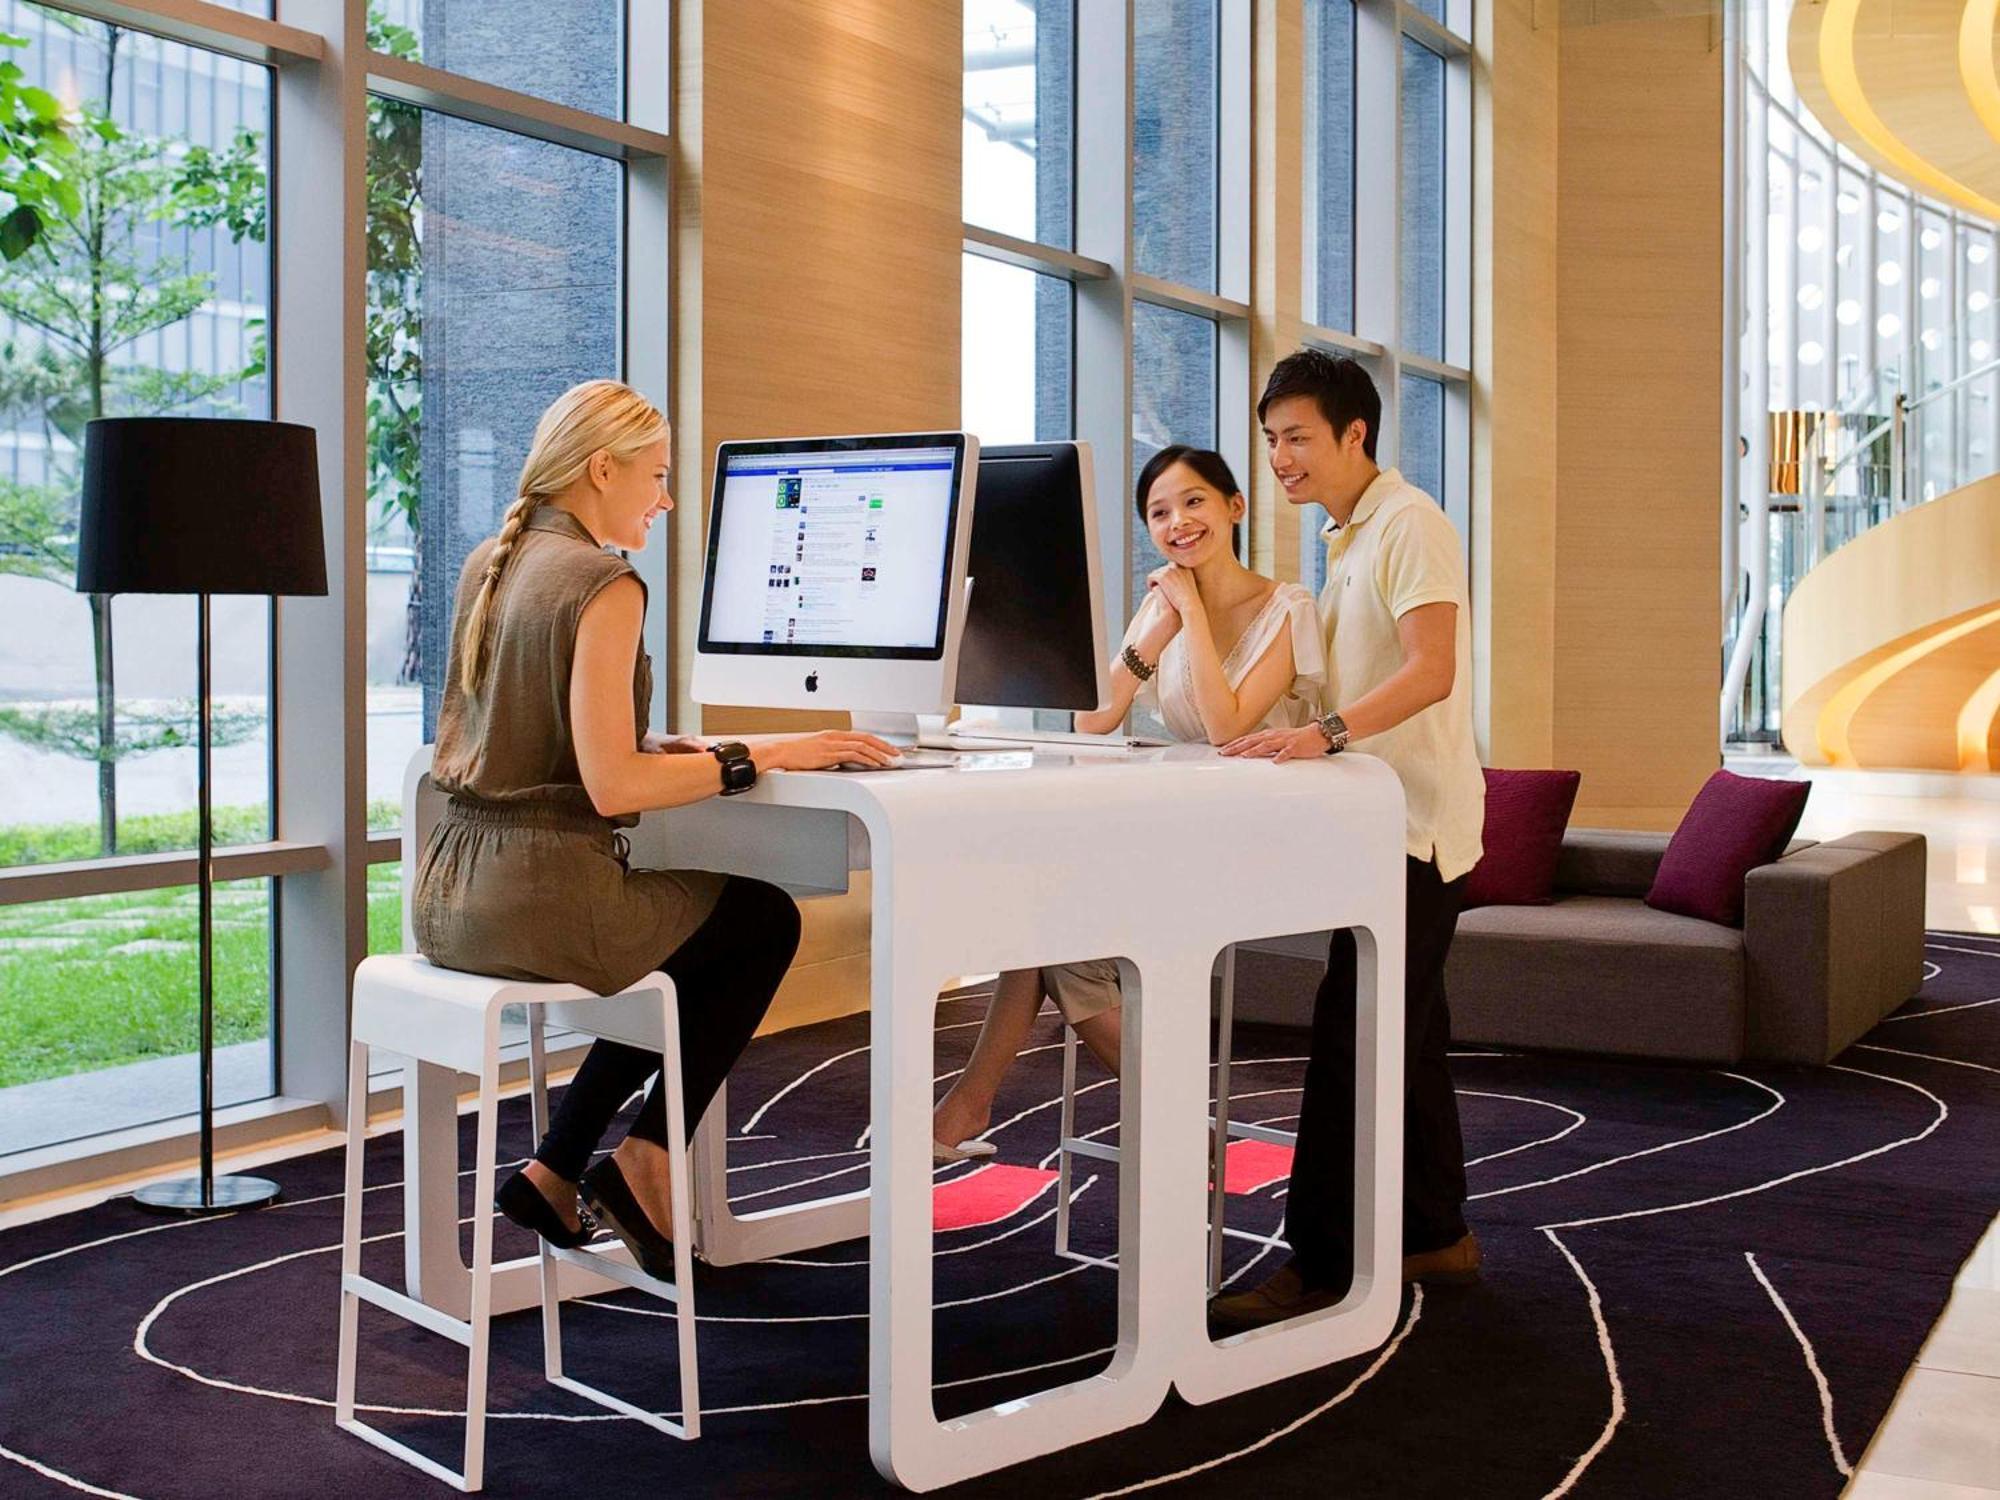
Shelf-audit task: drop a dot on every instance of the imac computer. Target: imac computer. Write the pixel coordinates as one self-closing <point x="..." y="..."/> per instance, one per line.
<point x="835" y="575"/>
<point x="1034" y="624"/>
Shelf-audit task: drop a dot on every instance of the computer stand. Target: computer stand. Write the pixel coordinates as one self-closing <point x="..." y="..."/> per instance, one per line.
<point x="906" y="729"/>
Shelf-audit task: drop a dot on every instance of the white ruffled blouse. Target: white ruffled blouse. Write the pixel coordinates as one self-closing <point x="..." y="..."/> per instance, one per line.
<point x="1169" y="693"/>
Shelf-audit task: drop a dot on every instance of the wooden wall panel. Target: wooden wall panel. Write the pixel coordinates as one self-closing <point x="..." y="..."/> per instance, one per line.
<point x="818" y="240"/>
<point x="1639" y="344"/>
<point x="821" y="174"/>
<point x="1514" y="365"/>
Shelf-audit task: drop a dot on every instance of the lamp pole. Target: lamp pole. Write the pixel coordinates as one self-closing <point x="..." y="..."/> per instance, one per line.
<point x="205" y="1195"/>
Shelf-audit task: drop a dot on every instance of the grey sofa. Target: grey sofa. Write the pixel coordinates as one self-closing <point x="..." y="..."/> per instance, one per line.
<point x="1832" y="940"/>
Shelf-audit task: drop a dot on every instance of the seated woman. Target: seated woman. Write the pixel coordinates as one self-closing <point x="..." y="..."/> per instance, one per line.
<point x="1216" y="651"/>
<point x="543" y="749"/>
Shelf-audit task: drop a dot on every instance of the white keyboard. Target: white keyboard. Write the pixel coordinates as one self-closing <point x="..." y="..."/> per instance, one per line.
<point x="909" y="760"/>
<point x="987" y="733"/>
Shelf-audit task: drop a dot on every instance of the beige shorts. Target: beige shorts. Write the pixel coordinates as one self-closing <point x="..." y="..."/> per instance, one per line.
<point x="1083" y="990"/>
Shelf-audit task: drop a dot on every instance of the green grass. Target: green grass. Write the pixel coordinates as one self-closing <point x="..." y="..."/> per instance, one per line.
<point x="152" y="833"/>
<point x="71" y="1002"/>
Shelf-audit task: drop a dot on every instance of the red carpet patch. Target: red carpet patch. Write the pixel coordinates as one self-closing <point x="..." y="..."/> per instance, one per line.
<point x="1251" y="1165"/>
<point x="987" y="1195"/>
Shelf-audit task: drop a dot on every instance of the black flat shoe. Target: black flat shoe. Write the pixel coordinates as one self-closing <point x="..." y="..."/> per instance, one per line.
<point x="610" y="1196"/>
<point x="522" y="1202"/>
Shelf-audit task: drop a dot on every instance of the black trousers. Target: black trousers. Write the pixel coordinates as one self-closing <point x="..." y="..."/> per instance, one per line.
<point x="1319" y="1209"/>
<point x="725" y="976"/>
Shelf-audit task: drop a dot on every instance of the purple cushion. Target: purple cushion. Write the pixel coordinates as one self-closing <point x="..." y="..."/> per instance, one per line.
<point x="1735" y="824"/>
<point x="1526" y="813"/>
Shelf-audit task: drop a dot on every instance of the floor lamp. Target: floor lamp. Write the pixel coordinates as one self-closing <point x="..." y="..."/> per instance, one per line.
<point x="202" y="506"/>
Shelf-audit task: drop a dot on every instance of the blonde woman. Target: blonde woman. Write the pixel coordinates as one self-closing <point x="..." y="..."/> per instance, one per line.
<point x="542" y="747"/>
<point x="1216" y="651"/>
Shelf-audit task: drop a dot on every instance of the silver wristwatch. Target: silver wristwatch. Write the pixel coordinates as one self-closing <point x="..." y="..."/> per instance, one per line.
<point x="1335" y="729"/>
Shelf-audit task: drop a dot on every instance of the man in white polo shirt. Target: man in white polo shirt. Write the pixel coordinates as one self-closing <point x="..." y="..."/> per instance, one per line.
<point x="1399" y="685"/>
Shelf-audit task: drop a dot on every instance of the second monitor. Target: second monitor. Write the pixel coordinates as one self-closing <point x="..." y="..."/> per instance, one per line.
<point x="1034" y="625"/>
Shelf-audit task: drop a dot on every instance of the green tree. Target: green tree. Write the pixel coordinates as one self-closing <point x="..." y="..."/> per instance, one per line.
<point x="35" y="148"/>
<point x="395" y="321"/>
<point x="92" y="286"/>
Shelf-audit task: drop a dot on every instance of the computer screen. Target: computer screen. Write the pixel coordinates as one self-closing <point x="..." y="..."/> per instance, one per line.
<point x="835" y="572"/>
<point x="818" y="551"/>
<point x="1034" y="634"/>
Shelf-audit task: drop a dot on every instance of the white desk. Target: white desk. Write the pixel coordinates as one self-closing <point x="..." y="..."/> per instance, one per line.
<point x="1014" y="860"/>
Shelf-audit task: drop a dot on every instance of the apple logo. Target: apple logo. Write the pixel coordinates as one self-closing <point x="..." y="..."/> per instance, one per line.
<point x="812" y="682"/>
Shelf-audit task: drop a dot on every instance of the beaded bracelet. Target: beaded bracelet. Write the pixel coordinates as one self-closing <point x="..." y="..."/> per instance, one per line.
<point x="1136" y="664"/>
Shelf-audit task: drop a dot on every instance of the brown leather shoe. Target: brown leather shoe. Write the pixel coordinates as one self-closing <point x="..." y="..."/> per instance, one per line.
<point x="1455" y="1265"/>
<point x="1284" y="1295"/>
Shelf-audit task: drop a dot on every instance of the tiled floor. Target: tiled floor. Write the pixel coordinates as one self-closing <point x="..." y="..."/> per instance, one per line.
<point x="1941" y="1440"/>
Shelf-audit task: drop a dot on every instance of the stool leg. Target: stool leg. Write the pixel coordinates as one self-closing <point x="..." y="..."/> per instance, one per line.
<point x="1219" y="1142"/>
<point x="350" y="1231"/>
<point x="482" y="1262"/>
<point x="551" y="1269"/>
<point x="1065" y="1132"/>
<point x="680" y="1193"/>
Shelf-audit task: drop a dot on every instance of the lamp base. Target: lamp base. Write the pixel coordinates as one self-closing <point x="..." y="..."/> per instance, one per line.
<point x="184" y="1196"/>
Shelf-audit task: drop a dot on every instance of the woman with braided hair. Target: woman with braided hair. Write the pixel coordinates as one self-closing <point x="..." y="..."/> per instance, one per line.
<point x="543" y="750"/>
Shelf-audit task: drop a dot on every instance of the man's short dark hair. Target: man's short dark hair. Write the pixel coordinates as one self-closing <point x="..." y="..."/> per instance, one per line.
<point x="1339" y="385"/>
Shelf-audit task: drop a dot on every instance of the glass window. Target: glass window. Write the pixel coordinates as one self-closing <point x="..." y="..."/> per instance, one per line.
<point x="1019" y="85"/>
<point x="99" y="1029"/>
<point x="1980" y="290"/>
<point x="1894" y="269"/>
<point x="1016" y="349"/>
<point x="1329" y="155"/>
<point x="1173" y="401"/>
<point x="97" y="706"/>
<point x="1420" y="446"/>
<point x="1174" y="114"/>
<point x="573" y="53"/>
<point x="1423" y="201"/>
<point x="1853" y="281"/>
<point x="493" y="286"/>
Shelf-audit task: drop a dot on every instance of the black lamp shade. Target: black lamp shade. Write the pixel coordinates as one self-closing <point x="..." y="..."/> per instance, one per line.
<point x="200" y="505"/>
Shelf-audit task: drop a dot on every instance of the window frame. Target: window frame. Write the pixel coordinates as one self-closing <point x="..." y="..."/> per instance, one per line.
<point x="322" y="76"/>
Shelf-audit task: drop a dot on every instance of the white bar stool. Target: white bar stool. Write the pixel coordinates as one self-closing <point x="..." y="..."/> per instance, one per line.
<point x="1222" y="1131"/>
<point x="405" y="1005"/>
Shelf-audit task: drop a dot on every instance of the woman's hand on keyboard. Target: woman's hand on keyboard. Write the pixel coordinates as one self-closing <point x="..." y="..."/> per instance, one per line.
<point x="822" y="751"/>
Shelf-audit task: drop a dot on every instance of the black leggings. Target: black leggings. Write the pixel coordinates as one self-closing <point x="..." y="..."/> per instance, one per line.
<point x="725" y="975"/>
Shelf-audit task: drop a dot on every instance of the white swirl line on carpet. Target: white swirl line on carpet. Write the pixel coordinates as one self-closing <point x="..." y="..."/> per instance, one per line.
<point x="1577" y="1118"/>
<point x="1707" y="1135"/>
<point x="1812" y="1363"/>
<point x="142" y="1346"/>
<point x="61" y="1478"/>
<point x="1956" y="1062"/>
<point x="1941" y="1010"/>
<point x="857" y="1317"/>
<point x="1610" y="1371"/>
<point x="1975" y="952"/>
<point x="764" y="1108"/>
<point x="1943" y="1114"/>
<point x="1388" y="1351"/>
<point x="1931" y="970"/>
<point x="789" y="1161"/>
<point x="190" y="1223"/>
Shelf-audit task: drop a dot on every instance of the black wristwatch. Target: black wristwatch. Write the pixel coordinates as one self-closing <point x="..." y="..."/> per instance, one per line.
<point x="739" y="771"/>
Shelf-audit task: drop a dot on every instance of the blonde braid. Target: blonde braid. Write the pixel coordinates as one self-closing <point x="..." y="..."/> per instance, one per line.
<point x="597" y="416"/>
<point x="472" y="664"/>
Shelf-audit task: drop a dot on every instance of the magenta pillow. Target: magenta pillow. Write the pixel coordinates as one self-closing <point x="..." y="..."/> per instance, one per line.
<point x="1735" y="824"/>
<point x="1526" y="813"/>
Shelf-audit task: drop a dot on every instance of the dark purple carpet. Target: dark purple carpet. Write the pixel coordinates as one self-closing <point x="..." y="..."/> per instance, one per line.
<point x="1647" y="1231"/>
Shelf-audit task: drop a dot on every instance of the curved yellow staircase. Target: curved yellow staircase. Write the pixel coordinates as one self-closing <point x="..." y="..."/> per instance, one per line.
<point x="1892" y="645"/>
<point x="1911" y="86"/>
